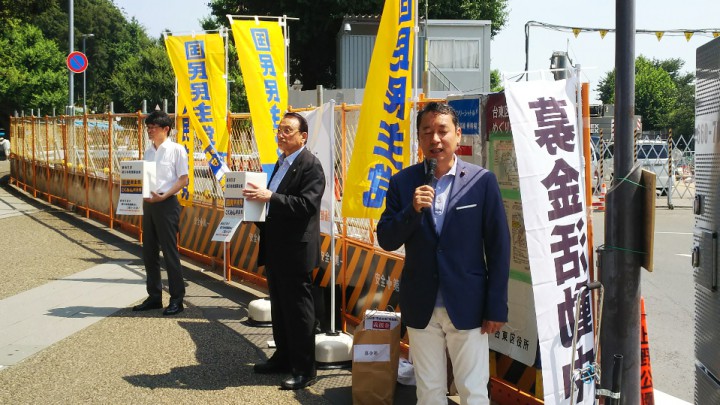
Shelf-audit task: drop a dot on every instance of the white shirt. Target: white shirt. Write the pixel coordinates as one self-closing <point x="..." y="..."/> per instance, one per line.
<point x="442" y="187"/>
<point x="5" y="144"/>
<point x="284" y="163"/>
<point x="171" y="162"/>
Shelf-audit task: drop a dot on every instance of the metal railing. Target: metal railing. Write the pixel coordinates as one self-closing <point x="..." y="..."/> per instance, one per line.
<point x="434" y="72"/>
<point x="672" y="159"/>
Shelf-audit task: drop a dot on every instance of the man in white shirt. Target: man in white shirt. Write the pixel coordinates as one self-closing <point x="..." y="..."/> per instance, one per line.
<point x="161" y="215"/>
<point x="4" y="148"/>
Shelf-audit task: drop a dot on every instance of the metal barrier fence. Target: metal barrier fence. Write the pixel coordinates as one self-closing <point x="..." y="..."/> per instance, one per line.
<point x="672" y="161"/>
<point x="94" y="145"/>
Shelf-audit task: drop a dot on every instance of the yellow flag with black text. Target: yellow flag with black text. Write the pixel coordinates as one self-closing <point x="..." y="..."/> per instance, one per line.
<point x="261" y="52"/>
<point x="186" y="138"/>
<point x="382" y="142"/>
<point x="199" y="65"/>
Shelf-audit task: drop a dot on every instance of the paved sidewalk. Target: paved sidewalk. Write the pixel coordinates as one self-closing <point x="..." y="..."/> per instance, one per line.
<point x="36" y="319"/>
<point x="68" y="336"/>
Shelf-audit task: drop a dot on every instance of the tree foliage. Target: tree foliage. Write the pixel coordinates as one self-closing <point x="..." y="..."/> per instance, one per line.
<point x="664" y="96"/>
<point x="116" y="46"/>
<point x="313" y="37"/>
<point x="30" y="76"/>
<point x="496" y="84"/>
<point x="144" y="75"/>
<point x="127" y="66"/>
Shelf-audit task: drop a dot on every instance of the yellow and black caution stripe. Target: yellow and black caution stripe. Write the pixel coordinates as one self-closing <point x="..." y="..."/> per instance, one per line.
<point x="197" y="226"/>
<point x="513" y="380"/>
<point x="373" y="280"/>
<point x="245" y="247"/>
<point x="203" y="243"/>
<point x="321" y="276"/>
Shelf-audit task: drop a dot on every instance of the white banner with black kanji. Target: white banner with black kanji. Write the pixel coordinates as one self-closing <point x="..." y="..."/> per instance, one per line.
<point x="543" y="118"/>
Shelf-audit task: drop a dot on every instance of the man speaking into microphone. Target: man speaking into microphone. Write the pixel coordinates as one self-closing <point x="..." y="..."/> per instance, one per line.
<point x="450" y="217"/>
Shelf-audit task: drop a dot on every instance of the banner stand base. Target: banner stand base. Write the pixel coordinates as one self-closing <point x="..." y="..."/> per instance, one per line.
<point x="333" y="350"/>
<point x="259" y="312"/>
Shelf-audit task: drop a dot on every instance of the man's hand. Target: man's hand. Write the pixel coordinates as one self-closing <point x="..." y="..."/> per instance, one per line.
<point x="155" y="197"/>
<point x="423" y="197"/>
<point x="491" y="327"/>
<point x="253" y="192"/>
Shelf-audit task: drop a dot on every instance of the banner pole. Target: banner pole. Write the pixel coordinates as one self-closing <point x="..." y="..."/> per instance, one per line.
<point x="332" y="220"/>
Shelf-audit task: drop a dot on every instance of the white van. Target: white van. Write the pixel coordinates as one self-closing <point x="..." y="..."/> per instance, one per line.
<point x="653" y="155"/>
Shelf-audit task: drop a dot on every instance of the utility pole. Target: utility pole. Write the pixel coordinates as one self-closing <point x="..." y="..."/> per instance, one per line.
<point x="621" y="258"/>
<point x="71" y="41"/>
<point x="84" y="37"/>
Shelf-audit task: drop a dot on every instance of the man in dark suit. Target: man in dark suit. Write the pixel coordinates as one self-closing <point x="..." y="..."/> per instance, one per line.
<point x="450" y="217"/>
<point x="290" y="250"/>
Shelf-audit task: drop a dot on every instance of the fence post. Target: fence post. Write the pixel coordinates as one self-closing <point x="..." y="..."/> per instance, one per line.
<point x="343" y="175"/>
<point x="65" y="164"/>
<point x="111" y="121"/>
<point x="47" y="158"/>
<point x="602" y="148"/>
<point x="140" y="157"/>
<point x="85" y="166"/>
<point x="635" y="146"/>
<point x="33" y="161"/>
<point x="671" y="172"/>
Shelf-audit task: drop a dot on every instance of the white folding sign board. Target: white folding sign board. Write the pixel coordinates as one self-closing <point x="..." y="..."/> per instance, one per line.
<point x="137" y="180"/>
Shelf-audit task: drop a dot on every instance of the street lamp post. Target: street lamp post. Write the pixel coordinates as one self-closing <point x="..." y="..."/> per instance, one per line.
<point x="84" y="37"/>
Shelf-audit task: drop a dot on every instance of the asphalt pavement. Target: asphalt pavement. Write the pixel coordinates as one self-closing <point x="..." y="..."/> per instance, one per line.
<point x="68" y="336"/>
<point x="669" y="293"/>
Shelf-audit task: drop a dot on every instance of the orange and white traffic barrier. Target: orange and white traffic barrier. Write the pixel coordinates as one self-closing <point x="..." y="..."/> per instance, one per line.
<point x="600" y="204"/>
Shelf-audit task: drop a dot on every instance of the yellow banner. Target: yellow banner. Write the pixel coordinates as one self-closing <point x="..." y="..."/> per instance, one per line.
<point x="261" y="51"/>
<point x="187" y="139"/>
<point x="199" y="65"/>
<point x="382" y="143"/>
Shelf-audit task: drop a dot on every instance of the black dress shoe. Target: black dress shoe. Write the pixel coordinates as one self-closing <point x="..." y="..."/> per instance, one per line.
<point x="147" y="305"/>
<point x="297" y="382"/>
<point x="173" y="308"/>
<point x="271" y="367"/>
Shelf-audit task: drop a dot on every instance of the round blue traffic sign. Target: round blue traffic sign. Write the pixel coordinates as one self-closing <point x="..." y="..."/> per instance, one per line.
<point x="77" y="62"/>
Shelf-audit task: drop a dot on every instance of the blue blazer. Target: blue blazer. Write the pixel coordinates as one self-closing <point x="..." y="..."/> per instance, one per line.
<point x="468" y="262"/>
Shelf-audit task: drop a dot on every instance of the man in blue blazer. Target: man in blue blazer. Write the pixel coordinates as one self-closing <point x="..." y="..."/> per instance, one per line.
<point x="290" y="250"/>
<point x="454" y="286"/>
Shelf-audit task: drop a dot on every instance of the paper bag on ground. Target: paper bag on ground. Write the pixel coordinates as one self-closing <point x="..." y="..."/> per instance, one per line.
<point x="376" y="353"/>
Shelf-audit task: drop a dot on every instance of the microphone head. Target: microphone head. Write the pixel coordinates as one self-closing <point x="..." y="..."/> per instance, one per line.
<point x="430" y="174"/>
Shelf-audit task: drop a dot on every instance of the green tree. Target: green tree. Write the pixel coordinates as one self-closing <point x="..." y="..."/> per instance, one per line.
<point x="495" y="81"/>
<point x="115" y="40"/>
<point x="144" y="75"/>
<point x="664" y="96"/>
<point x="33" y="72"/>
<point x="313" y="37"/>
<point x="682" y="117"/>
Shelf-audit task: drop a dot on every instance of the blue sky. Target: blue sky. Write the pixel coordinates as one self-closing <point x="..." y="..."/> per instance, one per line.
<point x="596" y="55"/>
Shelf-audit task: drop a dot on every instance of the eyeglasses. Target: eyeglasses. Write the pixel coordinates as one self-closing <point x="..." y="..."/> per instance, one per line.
<point x="152" y="127"/>
<point x="287" y="131"/>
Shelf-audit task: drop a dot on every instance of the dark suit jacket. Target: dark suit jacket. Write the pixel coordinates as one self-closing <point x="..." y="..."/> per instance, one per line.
<point x="469" y="261"/>
<point x="290" y="235"/>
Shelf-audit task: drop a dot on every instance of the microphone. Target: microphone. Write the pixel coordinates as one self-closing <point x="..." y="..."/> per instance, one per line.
<point x="430" y="173"/>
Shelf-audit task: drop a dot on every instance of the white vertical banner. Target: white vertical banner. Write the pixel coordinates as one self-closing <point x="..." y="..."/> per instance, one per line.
<point x="321" y="141"/>
<point x="544" y="125"/>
